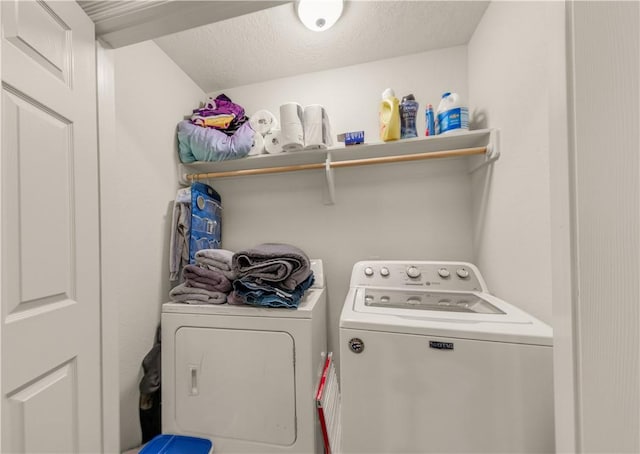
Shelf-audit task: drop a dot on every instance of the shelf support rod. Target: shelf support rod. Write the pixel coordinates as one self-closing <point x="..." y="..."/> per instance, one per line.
<point x="337" y="164"/>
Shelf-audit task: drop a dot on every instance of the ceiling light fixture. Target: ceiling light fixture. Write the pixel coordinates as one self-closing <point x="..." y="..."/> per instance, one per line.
<point x="319" y="15"/>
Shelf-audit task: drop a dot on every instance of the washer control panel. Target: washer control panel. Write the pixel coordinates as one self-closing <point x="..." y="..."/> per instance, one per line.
<point x="436" y="276"/>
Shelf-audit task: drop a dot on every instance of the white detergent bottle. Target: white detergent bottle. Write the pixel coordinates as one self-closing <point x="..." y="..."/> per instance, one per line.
<point x="451" y="114"/>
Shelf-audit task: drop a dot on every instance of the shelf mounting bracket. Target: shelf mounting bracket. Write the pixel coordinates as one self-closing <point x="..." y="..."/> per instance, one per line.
<point x="493" y="151"/>
<point x="331" y="187"/>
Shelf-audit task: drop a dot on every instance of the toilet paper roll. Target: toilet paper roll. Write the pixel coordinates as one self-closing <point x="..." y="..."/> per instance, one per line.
<point x="326" y="129"/>
<point x="263" y="121"/>
<point x="317" y="130"/>
<point x="290" y="112"/>
<point x="258" y="145"/>
<point x="292" y="131"/>
<point x="272" y="144"/>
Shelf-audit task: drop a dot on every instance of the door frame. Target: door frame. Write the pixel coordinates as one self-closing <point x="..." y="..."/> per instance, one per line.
<point x="563" y="262"/>
<point x="563" y="258"/>
<point x="105" y="81"/>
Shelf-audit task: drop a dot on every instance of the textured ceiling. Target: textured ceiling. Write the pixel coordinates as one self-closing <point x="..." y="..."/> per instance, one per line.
<point x="272" y="43"/>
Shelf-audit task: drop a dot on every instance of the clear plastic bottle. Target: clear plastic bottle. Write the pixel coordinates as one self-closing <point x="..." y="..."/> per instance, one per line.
<point x="408" y="112"/>
<point x="389" y="115"/>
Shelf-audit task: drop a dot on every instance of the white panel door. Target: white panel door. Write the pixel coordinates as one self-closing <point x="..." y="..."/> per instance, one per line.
<point x="50" y="323"/>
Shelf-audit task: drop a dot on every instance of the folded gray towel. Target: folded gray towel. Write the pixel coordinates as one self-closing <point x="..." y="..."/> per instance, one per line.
<point x="212" y="280"/>
<point x="217" y="259"/>
<point x="192" y="295"/>
<point x="281" y="264"/>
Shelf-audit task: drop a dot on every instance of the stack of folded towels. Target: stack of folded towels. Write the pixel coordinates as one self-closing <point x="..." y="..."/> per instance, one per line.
<point x="271" y="275"/>
<point x="208" y="281"/>
<point x="268" y="275"/>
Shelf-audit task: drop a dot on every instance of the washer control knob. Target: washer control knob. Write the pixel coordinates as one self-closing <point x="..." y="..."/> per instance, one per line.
<point x="368" y="271"/>
<point x="384" y="271"/>
<point x="444" y="273"/>
<point x="462" y="273"/>
<point x="356" y="345"/>
<point x="413" y="272"/>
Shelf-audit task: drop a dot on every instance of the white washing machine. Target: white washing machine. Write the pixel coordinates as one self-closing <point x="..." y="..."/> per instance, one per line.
<point x="431" y="362"/>
<point x="245" y="377"/>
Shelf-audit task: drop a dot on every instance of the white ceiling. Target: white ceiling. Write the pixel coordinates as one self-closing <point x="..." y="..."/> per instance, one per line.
<point x="272" y="43"/>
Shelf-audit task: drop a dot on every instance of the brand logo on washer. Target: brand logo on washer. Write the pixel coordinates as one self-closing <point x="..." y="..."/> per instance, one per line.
<point x="356" y="345"/>
<point x="441" y="345"/>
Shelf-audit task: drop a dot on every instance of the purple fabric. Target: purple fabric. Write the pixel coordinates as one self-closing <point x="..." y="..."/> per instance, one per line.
<point x="220" y="105"/>
<point x="212" y="280"/>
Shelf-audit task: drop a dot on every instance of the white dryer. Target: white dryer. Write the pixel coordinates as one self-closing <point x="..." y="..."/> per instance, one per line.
<point x="430" y="362"/>
<point x="244" y="377"/>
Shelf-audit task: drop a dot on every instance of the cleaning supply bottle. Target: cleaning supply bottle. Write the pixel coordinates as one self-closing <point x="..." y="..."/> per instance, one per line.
<point x="408" y="111"/>
<point x="451" y="114"/>
<point x="430" y="121"/>
<point x="389" y="115"/>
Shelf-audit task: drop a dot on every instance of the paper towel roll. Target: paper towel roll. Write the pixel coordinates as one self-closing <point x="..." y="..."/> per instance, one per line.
<point x="317" y="130"/>
<point x="272" y="144"/>
<point x="292" y="132"/>
<point x="258" y="145"/>
<point x="263" y="121"/>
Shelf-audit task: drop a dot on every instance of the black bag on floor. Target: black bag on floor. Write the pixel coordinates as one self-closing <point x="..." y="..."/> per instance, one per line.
<point x="150" y="396"/>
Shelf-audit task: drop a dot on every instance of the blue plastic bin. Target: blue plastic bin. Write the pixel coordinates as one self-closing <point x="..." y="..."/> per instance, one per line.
<point x="177" y="444"/>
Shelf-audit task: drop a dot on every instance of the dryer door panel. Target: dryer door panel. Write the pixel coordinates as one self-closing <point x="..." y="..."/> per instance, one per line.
<point x="235" y="383"/>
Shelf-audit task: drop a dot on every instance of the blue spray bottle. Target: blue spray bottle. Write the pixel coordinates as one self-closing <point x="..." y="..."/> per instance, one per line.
<point x="430" y="121"/>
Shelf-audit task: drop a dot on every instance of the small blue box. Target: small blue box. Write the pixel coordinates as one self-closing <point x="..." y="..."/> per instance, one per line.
<point x="351" y="138"/>
<point x="177" y="444"/>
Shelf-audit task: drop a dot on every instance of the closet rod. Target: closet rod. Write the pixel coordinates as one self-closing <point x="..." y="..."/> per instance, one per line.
<point x="336" y="164"/>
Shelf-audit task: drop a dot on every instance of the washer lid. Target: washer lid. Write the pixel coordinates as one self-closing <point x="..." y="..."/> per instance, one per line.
<point x="466" y="315"/>
<point x="311" y="299"/>
<point x="462" y="302"/>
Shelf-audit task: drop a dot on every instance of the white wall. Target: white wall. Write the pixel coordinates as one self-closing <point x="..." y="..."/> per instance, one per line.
<point x="512" y="66"/>
<point x="399" y="211"/>
<point x="138" y="184"/>
<point x="605" y="97"/>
